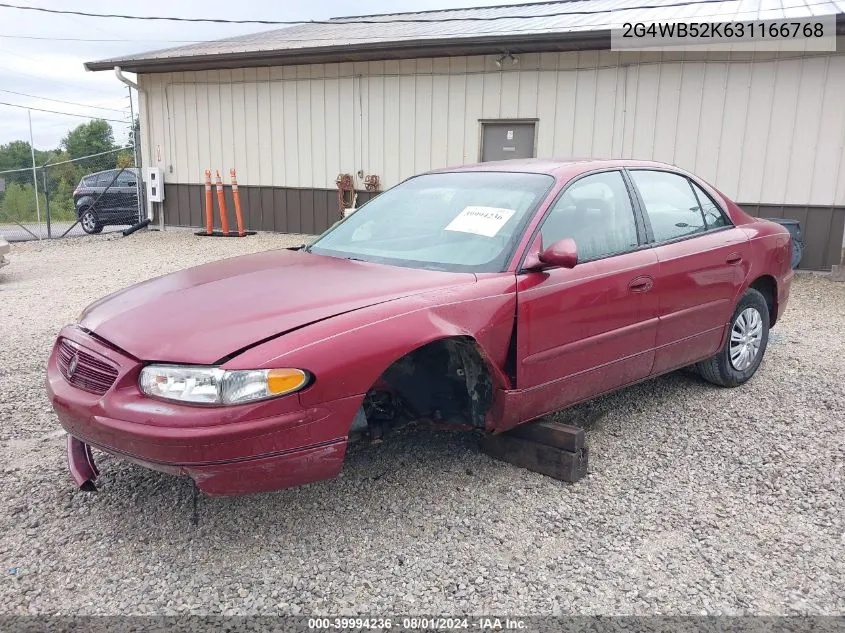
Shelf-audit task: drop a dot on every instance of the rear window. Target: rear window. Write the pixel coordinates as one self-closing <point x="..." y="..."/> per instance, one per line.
<point x="713" y="215"/>
<point x="125" y="179"/>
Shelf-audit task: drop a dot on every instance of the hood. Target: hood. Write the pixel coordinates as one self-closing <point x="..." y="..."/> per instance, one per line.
<point x="203" y="314"/>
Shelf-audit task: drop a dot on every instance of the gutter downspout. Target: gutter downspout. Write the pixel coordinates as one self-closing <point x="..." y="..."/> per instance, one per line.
<point x="131" y="84"/>
<point x="124" y="79"/>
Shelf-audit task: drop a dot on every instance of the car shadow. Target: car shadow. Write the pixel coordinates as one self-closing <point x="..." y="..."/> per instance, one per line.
<point x="411" y="468"/>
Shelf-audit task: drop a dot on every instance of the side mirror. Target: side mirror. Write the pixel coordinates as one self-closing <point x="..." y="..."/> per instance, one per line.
<point x="563" y="253"/>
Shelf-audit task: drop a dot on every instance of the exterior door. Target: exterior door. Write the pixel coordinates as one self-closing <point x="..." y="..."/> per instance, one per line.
<point x="592" y="328"/>
<point x="703" y="264"/>
<point x="503" y="141"/>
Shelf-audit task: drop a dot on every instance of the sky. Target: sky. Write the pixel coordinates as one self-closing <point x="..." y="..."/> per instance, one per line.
<point x="52" y="66"/>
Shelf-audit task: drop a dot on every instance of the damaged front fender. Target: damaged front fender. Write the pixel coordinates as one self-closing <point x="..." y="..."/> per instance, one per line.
<point x="349" y="353"/>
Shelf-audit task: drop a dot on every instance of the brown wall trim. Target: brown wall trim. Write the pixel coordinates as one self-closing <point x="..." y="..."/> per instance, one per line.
<point x="822" y="229"/>
<point x="279" y="209"/>
<point x="312" y="211"/>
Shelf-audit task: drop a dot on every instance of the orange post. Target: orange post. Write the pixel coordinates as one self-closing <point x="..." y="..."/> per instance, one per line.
<point x="237" y="198"/>
<point x="221" y="201"/>
<point x="209" y="205"/>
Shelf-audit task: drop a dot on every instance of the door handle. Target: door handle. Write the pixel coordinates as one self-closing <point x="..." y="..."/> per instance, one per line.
<point x="734" y="259"/>
<point x="641" y="284"/>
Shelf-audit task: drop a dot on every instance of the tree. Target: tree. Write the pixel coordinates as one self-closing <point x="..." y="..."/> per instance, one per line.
<point x="17" y="155"/>
<point x="62" y="169"/>
<point x="61" y="202"/>
<point x="19" y="203"/>
<point x="89" y="138"/>
<point x="125" y="159"/>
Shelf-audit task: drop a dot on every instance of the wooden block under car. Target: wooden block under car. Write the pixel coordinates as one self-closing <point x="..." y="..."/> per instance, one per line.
<point x="562" y="436"/>
<point x="540" y="458"/>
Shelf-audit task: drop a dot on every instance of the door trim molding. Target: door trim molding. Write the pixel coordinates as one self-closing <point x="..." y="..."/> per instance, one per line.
<point x="528" y="390"/>
<point x="574" y="346"/>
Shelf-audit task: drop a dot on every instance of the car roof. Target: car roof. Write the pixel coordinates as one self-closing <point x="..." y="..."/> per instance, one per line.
<point x="557" y="167"/>
<point x="106" y="171"/>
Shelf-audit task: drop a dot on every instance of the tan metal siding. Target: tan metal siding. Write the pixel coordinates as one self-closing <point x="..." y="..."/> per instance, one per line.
<point x="456" y="112"/>
<point x="440" y="135"/>
<point x="733" y="129"/>
<point x="474" y="109"/>
<point x="753" y="125"/>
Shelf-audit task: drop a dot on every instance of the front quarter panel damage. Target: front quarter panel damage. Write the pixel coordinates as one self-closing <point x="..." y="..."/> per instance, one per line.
<point x="349" y="353"/>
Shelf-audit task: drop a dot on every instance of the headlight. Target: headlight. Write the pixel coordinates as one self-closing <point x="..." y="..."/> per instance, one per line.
<point x="212" y="385"/>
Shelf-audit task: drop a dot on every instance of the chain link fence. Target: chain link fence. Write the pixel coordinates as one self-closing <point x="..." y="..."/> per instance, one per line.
<point x="91" y="194"/>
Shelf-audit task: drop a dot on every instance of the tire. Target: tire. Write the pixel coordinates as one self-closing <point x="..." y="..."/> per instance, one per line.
<point x="88" y="220"/>
<point x="745" y="345"/>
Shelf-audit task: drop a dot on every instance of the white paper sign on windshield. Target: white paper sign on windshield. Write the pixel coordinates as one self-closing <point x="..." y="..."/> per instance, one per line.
<point x="487" y="221"/>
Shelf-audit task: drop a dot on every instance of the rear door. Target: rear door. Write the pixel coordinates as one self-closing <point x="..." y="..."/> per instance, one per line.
<point x="703" y="262"/>
<point x="592" y="328"/>
<point x="126" y="196"/>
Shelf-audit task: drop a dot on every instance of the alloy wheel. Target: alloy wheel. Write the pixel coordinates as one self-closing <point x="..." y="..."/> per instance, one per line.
<point x="88" y="222"/>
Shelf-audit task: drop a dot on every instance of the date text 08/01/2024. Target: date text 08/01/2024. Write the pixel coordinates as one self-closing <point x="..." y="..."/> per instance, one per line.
<point x="418" y="623"/>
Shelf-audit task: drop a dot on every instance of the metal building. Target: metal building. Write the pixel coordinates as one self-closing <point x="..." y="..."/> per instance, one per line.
<point x="395" y="95"/>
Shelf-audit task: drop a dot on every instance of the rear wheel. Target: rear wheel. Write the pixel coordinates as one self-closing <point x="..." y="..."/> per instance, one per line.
<point x="89" y="222"/>
<point x="745" y="346"/>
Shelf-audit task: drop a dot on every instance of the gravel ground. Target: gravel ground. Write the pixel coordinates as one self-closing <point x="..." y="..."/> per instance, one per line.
<point x="32" y="231"/>
<point x="699" y="499"/>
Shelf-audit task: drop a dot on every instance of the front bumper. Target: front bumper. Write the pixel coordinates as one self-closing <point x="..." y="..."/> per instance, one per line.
<point x="242" y="449"/>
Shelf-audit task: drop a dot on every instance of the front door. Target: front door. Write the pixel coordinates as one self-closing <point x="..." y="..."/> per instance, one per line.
<point x="703" y="264"/>
<point x="501" y="140"/>
<point x="589" y="329"/>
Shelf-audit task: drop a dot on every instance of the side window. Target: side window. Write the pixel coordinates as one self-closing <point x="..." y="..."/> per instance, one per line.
<point x="596" y="212"/>
<point x="670" y="203"/>
<point x="125" y="179"/>
<point x="104" y="179"/>
<point x="713" y="215"/>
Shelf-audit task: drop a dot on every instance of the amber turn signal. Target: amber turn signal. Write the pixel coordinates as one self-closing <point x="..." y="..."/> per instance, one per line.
<point x="285" y="380"/>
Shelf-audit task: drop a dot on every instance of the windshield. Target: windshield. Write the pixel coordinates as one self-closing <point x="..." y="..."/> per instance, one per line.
<point x="460" y="221"/>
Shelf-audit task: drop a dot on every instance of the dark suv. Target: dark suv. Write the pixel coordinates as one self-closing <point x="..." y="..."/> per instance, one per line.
<point x="106" y="198"/>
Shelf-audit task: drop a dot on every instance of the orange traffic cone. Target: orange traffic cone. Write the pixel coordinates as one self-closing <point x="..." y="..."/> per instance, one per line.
<point x="209" y="205"/>
<point x="237" y="197"/>
<point x="221" y="202"/>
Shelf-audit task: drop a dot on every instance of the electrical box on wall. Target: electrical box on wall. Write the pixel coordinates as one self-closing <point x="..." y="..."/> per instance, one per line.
<point x="155" y="184"/>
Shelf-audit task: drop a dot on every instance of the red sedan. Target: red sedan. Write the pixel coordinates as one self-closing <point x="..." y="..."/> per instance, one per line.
<point x="483" y="296"/>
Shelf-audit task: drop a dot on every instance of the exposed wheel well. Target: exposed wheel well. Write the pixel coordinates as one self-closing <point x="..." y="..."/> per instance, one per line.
<point x="446" y="380"/>
<point x="767" y="286"/>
